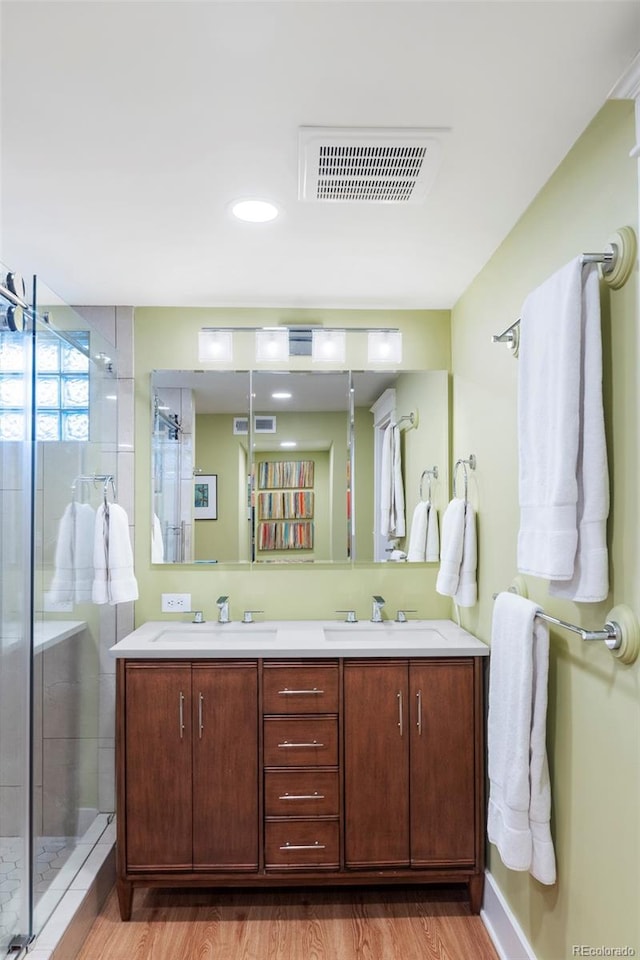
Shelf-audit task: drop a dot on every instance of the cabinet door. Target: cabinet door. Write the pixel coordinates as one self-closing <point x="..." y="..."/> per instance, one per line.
<point x="158" y="766"/>
<point x="442" y="762"/>
<point x="376" y="752"/>
<point x="225" y="768"/>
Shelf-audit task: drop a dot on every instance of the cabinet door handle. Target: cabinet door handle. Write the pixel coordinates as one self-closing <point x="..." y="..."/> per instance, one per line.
<point x="287" y="745"/>
<point x="400" y="713"/>
<point x="303" y="846"/>
<point x="300" y="693"/>
<point x="301" y="796"/>
<point x="419" y="721"/>
<point x="200" y="715"/>
<point x="181" y="714"/>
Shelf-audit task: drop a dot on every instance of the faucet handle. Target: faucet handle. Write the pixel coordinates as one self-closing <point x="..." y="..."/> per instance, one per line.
<point x="247" y="616"/>
<point x="401" y="615"/>
<point x="198" y="616"/>
<point x="350" y="616"/>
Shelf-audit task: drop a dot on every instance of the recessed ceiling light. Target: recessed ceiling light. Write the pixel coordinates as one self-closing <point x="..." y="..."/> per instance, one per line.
<point x="254" y="211"/>
<point x="288" y="443"/>
<point x="281" y="396"/>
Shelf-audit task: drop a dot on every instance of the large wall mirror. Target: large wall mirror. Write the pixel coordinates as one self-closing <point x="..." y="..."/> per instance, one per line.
<point x="284" y="467"/>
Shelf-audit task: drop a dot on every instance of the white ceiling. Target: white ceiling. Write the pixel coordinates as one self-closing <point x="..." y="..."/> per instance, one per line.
<point x="127" y="128"/>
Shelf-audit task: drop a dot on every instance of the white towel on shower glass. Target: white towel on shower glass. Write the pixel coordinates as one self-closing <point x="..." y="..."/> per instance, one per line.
<point x="519" y="787"/>
<point x="563" y="476"/>
<point x="114" y="580"/>
<point x="73" y="561"/>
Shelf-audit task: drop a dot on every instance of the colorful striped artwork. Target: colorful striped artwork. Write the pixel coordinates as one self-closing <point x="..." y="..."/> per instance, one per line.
<point x="297" y="505"/>
<point x="274" y="474"/>
<point x="283" y="535"/>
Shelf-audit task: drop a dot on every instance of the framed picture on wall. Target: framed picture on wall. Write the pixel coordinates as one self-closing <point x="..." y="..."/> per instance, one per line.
<point x="205" y="497"/>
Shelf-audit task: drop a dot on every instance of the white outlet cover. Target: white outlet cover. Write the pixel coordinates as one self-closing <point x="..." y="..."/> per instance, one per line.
<point x="175" y="602"/>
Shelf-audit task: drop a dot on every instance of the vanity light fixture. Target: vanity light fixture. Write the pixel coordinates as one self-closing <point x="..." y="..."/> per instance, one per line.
<point x="288" y="443"/>
<point x="272" y="344"/>
<point x="215" y="345"/>
<point x="328" y="346"/>
<point x="384" y="346"/>
<point x="254" y="211"/>
<point x="281" y="395"/>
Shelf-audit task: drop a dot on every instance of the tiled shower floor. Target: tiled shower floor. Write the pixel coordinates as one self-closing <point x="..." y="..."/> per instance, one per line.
<point x="57" y="862"/>
<point x="51" y="855"/>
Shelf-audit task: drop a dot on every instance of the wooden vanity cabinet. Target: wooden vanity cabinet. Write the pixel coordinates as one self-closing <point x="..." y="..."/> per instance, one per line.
<point x="246" y="773"/>
<point x="411" y="775"/>
<point x="187" y="770"/>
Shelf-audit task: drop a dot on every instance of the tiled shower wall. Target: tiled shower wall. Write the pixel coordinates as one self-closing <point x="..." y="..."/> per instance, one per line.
<point x="116" y="325"/>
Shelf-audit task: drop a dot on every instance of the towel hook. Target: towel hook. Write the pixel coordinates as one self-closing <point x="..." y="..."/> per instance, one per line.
<point x="469" y="462"/>
<point x="433" y="472"/>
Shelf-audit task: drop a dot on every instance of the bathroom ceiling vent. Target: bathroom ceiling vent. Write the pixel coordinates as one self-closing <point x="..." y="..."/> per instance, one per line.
<point x="367" y="165"/>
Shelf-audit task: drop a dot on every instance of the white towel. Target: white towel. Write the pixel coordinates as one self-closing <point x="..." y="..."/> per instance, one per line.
<point x="398" y="486"/>
<point x="392" y="521"/>
<point x="432" y="553"/>
<point x="467" y="593"/>
<point x="114" y="581"/>
<point x="519" y="788"/>
<point x="451" y="548"/>
<point x="157" y="543"/>
<point x="590" y="580"/>
<point x="386" y="481"/>
<point x="73" y="561"/>
<point x="564" y="497"/>
<point x="417" y="549"/>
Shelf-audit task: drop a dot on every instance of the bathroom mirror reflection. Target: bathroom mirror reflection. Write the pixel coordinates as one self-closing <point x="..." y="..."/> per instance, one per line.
<point x="281" y="469"/>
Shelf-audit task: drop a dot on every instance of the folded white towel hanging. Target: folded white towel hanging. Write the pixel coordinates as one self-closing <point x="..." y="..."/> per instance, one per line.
<point x="73" y="561"/>
<point x="157" y="542"/>
<point x="432" y="553"/>
<point x="563" y="475"/>
<point x="519" y="787"/>
<point x="466" y="594"/>
<point x="417" y="549"/>
<point x="451" y="548"/>
<point x="114" y="580"/>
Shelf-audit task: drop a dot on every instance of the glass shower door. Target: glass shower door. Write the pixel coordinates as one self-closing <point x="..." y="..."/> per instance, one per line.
<point x="16" y="589"/>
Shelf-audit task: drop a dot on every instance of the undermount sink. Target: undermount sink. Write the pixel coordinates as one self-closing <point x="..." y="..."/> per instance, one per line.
<point x="219" y="636"/>
<point x="377" y="633"/>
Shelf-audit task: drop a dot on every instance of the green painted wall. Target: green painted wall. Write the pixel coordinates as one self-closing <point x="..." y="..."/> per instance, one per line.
<point x="166" y="338"/>
<point x="594" y="704"/>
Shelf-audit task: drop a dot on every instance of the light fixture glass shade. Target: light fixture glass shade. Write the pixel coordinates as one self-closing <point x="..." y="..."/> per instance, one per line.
<point x="272" y="344"/>
<point x="384" y="346"/>
<point x="215" y="345"/>
<point x="328" y="346"/>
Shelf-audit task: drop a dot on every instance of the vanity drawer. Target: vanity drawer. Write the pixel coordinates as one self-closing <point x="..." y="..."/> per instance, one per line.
<point x="292" y="688"/>
<point x="301" y="843"/>
<point x="301" y="793"/>
<point x="300" y="742"/>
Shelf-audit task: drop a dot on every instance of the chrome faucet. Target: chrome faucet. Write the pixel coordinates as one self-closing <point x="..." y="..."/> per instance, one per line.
<point x="376" y="613"/>
<point x="223" y="606"/>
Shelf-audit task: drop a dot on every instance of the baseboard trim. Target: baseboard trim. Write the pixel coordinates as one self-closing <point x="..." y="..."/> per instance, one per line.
<point x="502" y="926"/>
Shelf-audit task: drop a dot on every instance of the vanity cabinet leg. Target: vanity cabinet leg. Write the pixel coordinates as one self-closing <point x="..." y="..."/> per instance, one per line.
<point x="476" y="890"/>
<point x="125" y="898"/>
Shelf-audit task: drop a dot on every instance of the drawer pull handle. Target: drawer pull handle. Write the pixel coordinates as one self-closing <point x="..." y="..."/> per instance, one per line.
<point x="300" y="693"/>
<point x="302" y="796"/>
<point x="181" y="715"/>
<point x="419" y="723"/>
<point x="286" y="745"/>
<point x="303" y="846"/>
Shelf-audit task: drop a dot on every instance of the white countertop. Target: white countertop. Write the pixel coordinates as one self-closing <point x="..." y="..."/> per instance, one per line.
<point x="168" y="639"/>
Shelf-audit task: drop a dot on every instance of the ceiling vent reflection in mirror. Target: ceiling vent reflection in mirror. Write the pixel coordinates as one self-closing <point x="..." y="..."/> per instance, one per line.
<point x="367" y="164"/>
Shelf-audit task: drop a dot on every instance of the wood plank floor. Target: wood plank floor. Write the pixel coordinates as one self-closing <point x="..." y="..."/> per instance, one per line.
<point x="381" y="924"/>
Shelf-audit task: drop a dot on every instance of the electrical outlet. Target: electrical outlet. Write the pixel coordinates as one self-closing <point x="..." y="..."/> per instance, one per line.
<point x="176" y="602"/>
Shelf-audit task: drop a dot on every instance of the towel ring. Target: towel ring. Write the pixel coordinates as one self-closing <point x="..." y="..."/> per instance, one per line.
<point x="428" y="473"/>
<point x="471" y="463"/>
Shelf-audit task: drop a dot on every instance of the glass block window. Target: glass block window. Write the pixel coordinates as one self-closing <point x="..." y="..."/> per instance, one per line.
<point x="62" y="387"/>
